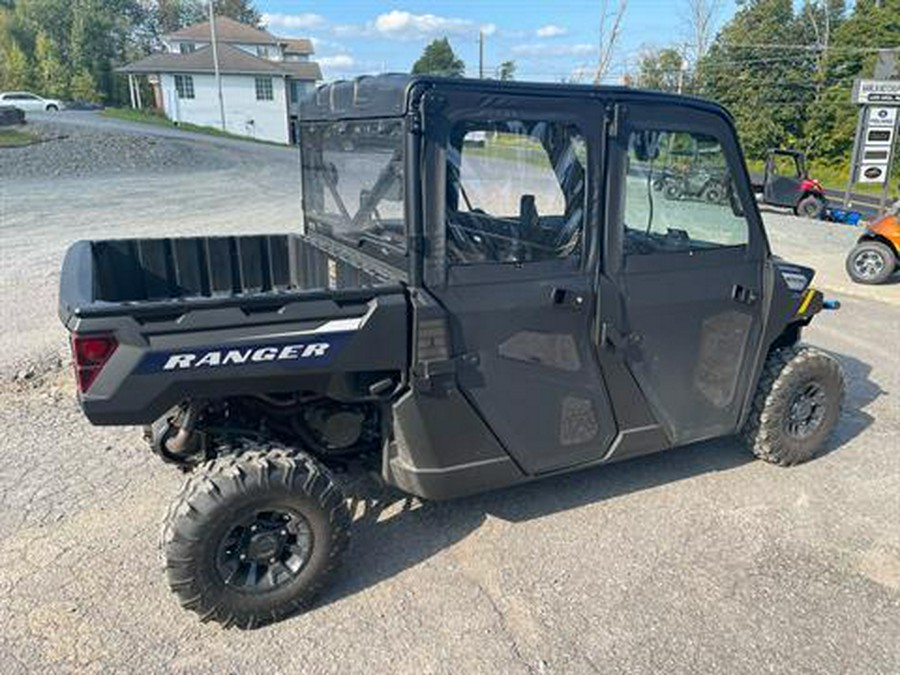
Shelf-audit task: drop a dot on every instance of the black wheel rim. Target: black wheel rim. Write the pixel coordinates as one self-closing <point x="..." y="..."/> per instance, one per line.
<point x="266" y="550"/>
<point x="806" y="411"/>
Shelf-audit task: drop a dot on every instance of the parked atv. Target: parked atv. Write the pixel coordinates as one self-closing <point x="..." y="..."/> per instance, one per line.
<point x="786" y="183"/>
<point x="875" y="257"/>
<point x="696" y="184"/>
<point x="453" y="317"/>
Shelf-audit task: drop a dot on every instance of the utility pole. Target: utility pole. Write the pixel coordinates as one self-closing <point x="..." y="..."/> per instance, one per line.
<point x="480" y="54"/>
<point x="215" y="55"/>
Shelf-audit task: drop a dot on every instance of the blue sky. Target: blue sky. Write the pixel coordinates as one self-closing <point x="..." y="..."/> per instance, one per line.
<point x="548" y="40"/>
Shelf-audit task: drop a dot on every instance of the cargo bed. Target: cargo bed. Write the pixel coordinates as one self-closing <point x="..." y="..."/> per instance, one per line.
<point x="203" y="316"/>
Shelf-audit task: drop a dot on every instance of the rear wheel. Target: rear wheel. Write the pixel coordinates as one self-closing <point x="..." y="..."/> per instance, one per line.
<point x="52" y="108"/>
<point x="811" y="206"/>
<point x="253" y="537"/>
<point x="796" y="407"/>
<point x="871" y="262"/>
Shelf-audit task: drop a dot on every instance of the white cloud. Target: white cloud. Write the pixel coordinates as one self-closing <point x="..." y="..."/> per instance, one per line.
<point x="550" y="30"/>
<point x="551" y="50"/>
<point x="403" y="25"/>
<point x="294" y="21"/>
<point x="337" y="62"/>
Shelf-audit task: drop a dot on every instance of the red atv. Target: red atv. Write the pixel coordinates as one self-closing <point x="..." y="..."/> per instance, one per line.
<point x="786" y="183"/>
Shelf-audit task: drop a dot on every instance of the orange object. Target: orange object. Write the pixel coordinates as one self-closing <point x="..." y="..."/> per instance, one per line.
<point x="876" y="255"/>
<point x="887" y="228"/>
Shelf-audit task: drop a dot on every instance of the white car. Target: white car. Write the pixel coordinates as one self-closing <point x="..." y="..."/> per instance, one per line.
<point x="27" y="101"/>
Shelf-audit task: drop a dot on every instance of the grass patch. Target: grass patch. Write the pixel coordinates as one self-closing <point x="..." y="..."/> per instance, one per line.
<point x="157" y="118"/>
<point x="14" y="138"/>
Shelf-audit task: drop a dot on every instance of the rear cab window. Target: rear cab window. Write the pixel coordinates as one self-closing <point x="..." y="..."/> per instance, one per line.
<point x="353" y="185"/>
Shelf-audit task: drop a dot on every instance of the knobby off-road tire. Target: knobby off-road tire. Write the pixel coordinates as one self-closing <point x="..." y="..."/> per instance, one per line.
<point x="253" y="537"/>
<point x="797" y="404"/>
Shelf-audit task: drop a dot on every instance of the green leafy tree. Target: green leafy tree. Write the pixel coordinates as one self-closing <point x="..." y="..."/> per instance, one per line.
<point x="439" y="59"/>
<point x="83" y="87"/>
<point x="15" y="70"/>
<point x="766" y="89"/>
<point x="52" y="76"/>
<point x="239" y="10"/>
<point x="832" y="121"/>
<point x="507" y="70"/>
<point x="661" y="70"/>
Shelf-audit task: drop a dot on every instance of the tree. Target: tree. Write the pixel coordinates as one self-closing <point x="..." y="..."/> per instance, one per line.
<point x="15" y="70"/>
<point x="701" y="18"/>
<point x="83" y="87"/>
<point x="610" y="27"/>
<point x="51" y="74"/>
<point x="507" y="70"/>
<point x="239" y="10"/>
<point x="661" y="70"/>
<point x="438" y="59"/>
<point x="764" y="84"/>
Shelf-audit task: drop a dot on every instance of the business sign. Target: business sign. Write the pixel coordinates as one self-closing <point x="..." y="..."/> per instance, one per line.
<point x="877" y="92"/>
<point x="872" y="173"/>
<point x="882" y="117"/>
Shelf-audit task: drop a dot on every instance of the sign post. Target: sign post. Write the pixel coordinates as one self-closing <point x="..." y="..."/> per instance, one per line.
<point x="876" y="134"/>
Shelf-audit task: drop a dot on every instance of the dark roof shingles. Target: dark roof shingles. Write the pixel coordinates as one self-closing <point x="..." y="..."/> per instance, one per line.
<point x="232" y="61"/>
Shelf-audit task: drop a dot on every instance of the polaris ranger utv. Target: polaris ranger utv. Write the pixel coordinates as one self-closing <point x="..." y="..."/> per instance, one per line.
<point x="485" y="290"/>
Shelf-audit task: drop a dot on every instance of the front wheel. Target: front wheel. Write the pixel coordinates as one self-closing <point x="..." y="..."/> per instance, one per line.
<point x="796" y="407"/>
<point x="871" y="262"/>
<point x="811" y="206"/>
<point x="253" y="537"/>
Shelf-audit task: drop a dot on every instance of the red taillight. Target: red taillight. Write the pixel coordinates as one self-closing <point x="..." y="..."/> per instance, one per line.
<point x="91" y="352"/>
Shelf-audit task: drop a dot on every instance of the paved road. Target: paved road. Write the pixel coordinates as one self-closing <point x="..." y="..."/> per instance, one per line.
<point x="696" y="560"/>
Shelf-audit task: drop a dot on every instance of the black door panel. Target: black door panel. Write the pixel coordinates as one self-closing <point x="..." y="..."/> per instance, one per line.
<point x="534" y="378"/>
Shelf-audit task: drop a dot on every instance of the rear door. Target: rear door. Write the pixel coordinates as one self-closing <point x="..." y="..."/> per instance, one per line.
<point x="512" y="219"/>
<point x="689" y="271"/>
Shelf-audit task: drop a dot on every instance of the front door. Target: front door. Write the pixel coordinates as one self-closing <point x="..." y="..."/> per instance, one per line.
<point x="689" y="271"/>
<point x="512" y="223"/>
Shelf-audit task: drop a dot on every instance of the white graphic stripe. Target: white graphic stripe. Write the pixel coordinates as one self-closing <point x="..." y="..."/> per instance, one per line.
<point x="334" y="326"/>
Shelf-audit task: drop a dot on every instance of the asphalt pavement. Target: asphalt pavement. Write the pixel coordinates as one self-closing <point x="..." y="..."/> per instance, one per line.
<point x="700" y="559"/>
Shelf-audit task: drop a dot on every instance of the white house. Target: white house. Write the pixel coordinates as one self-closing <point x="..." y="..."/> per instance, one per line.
<point x="263" y="79"/>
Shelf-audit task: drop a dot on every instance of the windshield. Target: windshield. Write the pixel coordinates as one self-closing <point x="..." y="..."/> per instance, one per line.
<point x="353" y="182"/>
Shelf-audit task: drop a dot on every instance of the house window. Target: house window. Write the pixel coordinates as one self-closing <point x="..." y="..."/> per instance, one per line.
<point x="184" y="85"/>
<point x="187" y="47"/>
<point x="263" y="51"/>
<point x="264" y="89"/>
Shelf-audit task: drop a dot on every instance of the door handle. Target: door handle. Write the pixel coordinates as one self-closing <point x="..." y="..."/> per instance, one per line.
<point x="743" y="295"/>
<point x="566" y="297"/>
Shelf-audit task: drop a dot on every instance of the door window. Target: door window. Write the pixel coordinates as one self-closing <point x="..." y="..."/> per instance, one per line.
<point x="679" y="195"/>
<point x="785" y="165"/>
<point x="515" y="191"/>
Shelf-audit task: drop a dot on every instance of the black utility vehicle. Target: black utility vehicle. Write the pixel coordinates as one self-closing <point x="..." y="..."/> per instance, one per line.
<point x="486" y="290"/>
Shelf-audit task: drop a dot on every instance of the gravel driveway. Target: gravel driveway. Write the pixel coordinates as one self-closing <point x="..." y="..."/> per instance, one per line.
<point x="698" y="559"/>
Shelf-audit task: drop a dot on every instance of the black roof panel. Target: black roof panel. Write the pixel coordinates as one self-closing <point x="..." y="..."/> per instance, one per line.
<point x="387" y="95"/>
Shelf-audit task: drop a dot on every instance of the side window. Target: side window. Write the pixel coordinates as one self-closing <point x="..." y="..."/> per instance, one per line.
<point x="515" y="191"/>
<point x="679" y="195"/>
